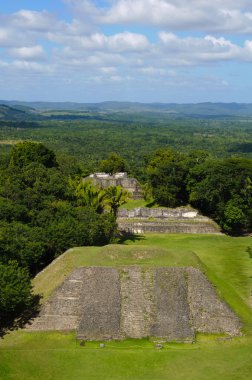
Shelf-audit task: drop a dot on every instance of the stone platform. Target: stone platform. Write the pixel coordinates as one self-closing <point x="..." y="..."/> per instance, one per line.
<point x="132" y="301"/>
<point x="165" y="220"/>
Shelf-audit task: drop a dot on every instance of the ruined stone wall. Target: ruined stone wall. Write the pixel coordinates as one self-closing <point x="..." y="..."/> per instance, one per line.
<point x="161" y="213"/>
<point x="120" y="179"/>
<point x="172" y="227"/>
<point x="165" y="220"/>
<point x="137" y="302"/>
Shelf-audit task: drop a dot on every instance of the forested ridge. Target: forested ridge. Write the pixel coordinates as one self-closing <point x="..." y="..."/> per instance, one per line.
<point x="133" y="136"/>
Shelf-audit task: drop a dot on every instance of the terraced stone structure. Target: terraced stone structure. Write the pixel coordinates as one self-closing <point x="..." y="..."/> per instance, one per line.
<point x="165" y="220"/>
<point x="118" y="179"/>
<point x="133" y="301"/>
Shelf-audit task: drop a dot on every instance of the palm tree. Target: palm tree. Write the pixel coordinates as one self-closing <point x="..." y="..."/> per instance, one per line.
<point x="90" y="195"/>
<point x="115" y="196"/>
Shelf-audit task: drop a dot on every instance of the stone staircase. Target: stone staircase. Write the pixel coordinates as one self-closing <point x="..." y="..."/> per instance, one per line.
<point x="100" y="304"/>
<point x="133" y="301"/>
<point x="173" y="320"/>
<point x="209" y="312"/>
<point x="136" y="301"/>
<point x="62" y="311"/>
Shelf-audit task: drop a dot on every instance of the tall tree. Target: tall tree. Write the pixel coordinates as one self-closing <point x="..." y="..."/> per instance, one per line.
<point x="167" y="171"/>
<point x="113" y="164"/>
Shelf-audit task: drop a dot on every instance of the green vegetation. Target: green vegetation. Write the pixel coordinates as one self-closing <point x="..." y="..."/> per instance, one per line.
<point x="114" y="164"/>
<point x="134" y="203"/>
<point x="133" y="136"/>
<point x="16" y="293"/>
<point x="221" y="189"/>
<point x="40" y="212"/>
<point x="43" y="212"/>
<point x="55" y="356"/>
<point x="110" y="255"/>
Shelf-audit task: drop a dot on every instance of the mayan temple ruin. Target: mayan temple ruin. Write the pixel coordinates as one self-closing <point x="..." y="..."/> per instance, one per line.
<point x="136" y="302"/>
<point x="118" y="179"/>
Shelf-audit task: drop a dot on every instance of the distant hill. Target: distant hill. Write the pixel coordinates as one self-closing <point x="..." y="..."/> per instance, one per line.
<point x="17" y="113"/>
<point x="197" y="110"/>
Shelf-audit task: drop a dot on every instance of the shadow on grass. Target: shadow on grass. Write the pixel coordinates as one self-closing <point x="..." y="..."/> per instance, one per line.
<point x="125" y="236"/>
<point x="151" y="204"/>
<point x="12" y="323"/>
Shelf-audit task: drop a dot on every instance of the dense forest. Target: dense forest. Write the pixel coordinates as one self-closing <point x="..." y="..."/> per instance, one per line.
<point x="46" y="207"/>
<point x="91" y="135"/>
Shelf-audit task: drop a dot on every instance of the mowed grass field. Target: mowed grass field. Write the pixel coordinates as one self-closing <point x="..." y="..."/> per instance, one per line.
<point x="29" y="355"/>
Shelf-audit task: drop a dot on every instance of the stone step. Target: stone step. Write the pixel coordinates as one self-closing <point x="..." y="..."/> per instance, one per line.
<point x="112" y="303"/>
<point x="54" y="322"/>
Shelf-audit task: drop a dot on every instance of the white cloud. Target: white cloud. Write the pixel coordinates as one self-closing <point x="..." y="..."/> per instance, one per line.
<point x="153" y="71"/>
<point x="215" y="16"/>
<point x="120" y="42"/>
<point x="31" y="67"/>
<point x="33" y="20"/>
<point x="28" y="52"/>
<point x="108" y="69"/>
<point x="191" y="50"/>
<point x="85" y="50"/>
<point x="9" y="37"/>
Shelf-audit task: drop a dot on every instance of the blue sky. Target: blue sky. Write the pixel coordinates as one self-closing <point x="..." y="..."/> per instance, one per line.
<point x="128" y="50"/>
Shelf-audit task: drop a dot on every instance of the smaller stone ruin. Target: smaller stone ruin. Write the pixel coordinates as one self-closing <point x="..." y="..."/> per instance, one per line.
<point x="165" y="220"/>
<point x="119" y="179"/>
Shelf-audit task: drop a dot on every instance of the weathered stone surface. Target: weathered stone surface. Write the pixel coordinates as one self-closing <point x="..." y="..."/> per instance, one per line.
<point x="62" y="310"/>
<point x="172" y="227"/>
<point x="118" y="179"/>
<point x="172" y="309"/>
<point x="209" y="313"/>
<point x="100" y="303"/>
<point x="165" y="220"/>
<point x="161" y="212"/>
<point x="137" y="302"/>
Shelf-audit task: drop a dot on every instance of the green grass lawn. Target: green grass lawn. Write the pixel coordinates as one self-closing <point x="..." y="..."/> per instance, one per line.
<point x="134" y="203"/>
<point x="30" y="355"/>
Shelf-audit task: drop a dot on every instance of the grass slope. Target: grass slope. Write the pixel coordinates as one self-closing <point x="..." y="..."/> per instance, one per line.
<point x="110" y="255"/>
<point x="57" y="356"/>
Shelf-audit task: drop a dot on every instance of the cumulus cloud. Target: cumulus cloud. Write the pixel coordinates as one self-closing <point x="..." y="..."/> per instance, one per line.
<point x="31" y="66"/>
<point x="214" y="16"/>
<point x="8" y="37"/>
<point x="28" y="52"/>
<point x="118" y="42"/>
<point x="101" y="44"/>
<point x="191" y="50"/>
<point x="33" y="20"/>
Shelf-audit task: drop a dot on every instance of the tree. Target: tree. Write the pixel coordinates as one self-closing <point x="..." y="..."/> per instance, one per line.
<point x="26" y="152"/>
<point x="234" y="219"/>
<point x="15" y="292"/>
<point x="113" y="164"/>
<point x="167" y="172"/>
<point x="24" y="244"/>
<point x="221" y="189"/>
<point x="115" y="196"/>
<point x="88" y="194"/>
